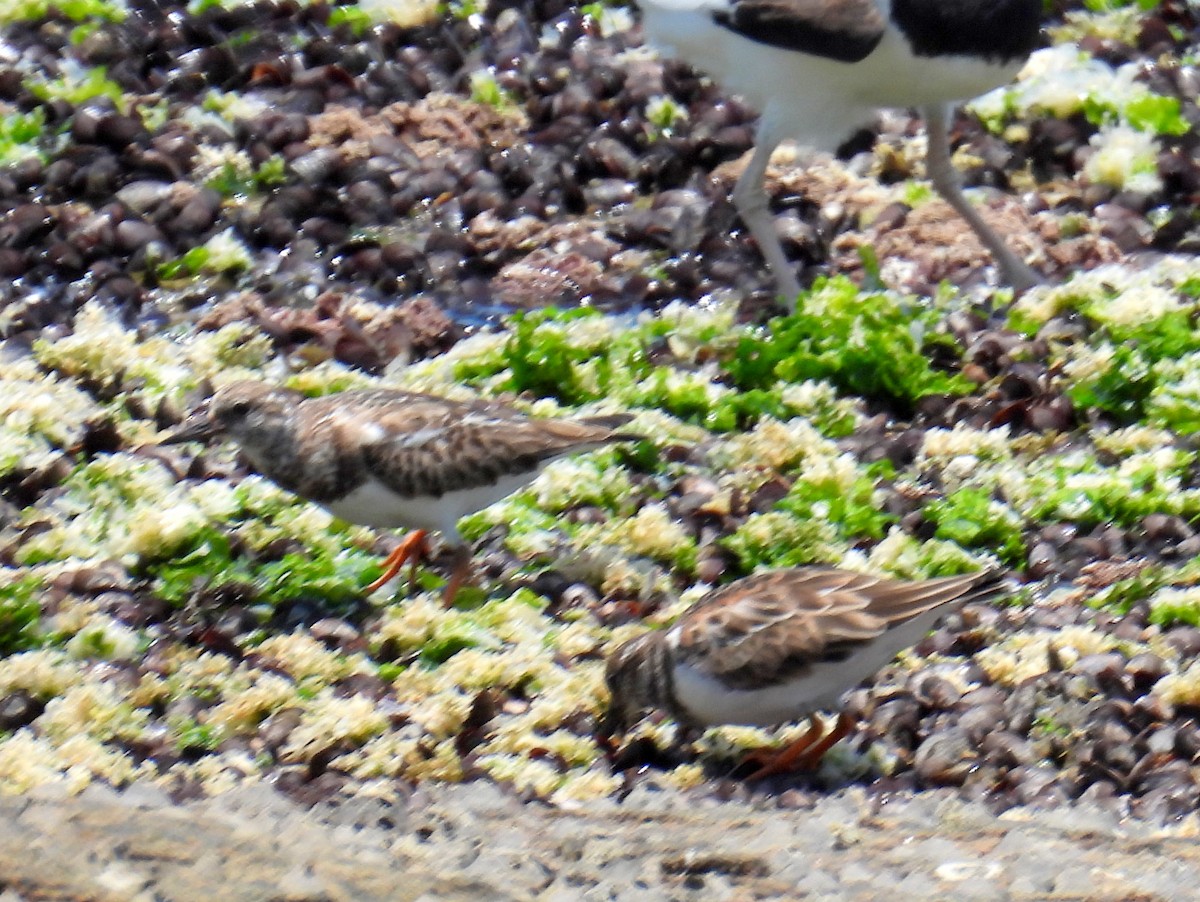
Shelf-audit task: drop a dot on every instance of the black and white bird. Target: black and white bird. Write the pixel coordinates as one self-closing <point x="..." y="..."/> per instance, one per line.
<point x="819" y="70"/>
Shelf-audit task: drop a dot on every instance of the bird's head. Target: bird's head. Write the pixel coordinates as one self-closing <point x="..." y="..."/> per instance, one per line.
<point x="253" y="414"/>
<point x="636" y="681"/>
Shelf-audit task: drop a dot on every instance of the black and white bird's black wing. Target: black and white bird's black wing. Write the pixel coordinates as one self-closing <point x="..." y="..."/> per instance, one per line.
<point x="843" y="30"/>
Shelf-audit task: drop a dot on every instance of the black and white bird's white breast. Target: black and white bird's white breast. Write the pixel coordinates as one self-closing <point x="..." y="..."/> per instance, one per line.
<point x="817" y="69"/>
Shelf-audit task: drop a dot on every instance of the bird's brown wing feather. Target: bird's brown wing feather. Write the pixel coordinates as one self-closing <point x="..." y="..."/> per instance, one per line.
<point x="843" y="30"/>
<point x="773" y="626"/>
<point x="419" y="444"/>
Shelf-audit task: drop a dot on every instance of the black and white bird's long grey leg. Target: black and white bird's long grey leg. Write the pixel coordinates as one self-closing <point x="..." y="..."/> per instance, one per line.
<point x="945" y="179"/>
<point x="750" y="199"/>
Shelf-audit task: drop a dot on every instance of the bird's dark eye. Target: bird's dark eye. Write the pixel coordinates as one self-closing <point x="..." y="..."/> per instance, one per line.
<point x="237" y="410"/>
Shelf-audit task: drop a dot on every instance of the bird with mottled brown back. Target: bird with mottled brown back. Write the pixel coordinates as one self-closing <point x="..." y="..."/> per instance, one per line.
<point x="778" y="646"/>
<point x="388" y="458"/>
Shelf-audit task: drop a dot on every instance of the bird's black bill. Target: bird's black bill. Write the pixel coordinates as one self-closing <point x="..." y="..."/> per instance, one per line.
<point x="195" y="428"/>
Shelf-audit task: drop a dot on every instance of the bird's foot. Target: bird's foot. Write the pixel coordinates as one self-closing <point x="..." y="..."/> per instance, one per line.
<point x="802" y="755"/>
<point x="414" y="547"/>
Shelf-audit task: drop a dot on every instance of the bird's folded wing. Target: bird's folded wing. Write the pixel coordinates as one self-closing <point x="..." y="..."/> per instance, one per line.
<point x="430" y="446"/>
<point x="774" y="626"/>
<point x="842" y="30"/>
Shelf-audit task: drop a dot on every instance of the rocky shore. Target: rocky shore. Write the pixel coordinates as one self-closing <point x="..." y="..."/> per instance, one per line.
<point x="472" y="842"/>
<point x="338" y="196"/>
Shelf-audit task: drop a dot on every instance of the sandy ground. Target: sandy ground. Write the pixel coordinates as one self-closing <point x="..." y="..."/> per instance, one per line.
<point x="473" y="841"/>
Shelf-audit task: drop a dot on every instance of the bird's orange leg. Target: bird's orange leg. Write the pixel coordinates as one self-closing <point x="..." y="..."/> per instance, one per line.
<point x="812" y="757"/>
<point x="768" y="759"/>
<point x="462" y="569"/>
<point x="413" y="547"/>
<point x="805" y="753"/>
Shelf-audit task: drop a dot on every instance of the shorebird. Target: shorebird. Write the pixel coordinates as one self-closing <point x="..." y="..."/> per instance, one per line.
<point x="777" y="647"/>
<point x="818" y="70"/>
<point x="388" y="459"/>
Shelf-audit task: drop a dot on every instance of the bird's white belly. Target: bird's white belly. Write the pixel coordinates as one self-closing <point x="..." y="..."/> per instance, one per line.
<point x="767" y="77"/>
<point x="373" y="504"/>
<point x="819" y="101"/>
<point x="708" y="701"/>
<point x="893" y="77"/>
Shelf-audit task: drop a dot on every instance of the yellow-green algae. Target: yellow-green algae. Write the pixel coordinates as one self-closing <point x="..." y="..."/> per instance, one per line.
<point x="1064" y="80"/>
<point x="1134" y="364"/>
<point x="752" y="404"/>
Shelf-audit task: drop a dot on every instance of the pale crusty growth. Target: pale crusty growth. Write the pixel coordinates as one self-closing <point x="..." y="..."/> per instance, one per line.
<point x="651" y="532"/>
<point x="1023" y="656"/>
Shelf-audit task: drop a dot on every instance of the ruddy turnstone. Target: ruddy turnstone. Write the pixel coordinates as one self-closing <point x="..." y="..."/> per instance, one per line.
<point x="387" y="458"/>
<point x="779" y="646"/>
<point x="818" y="70"/>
